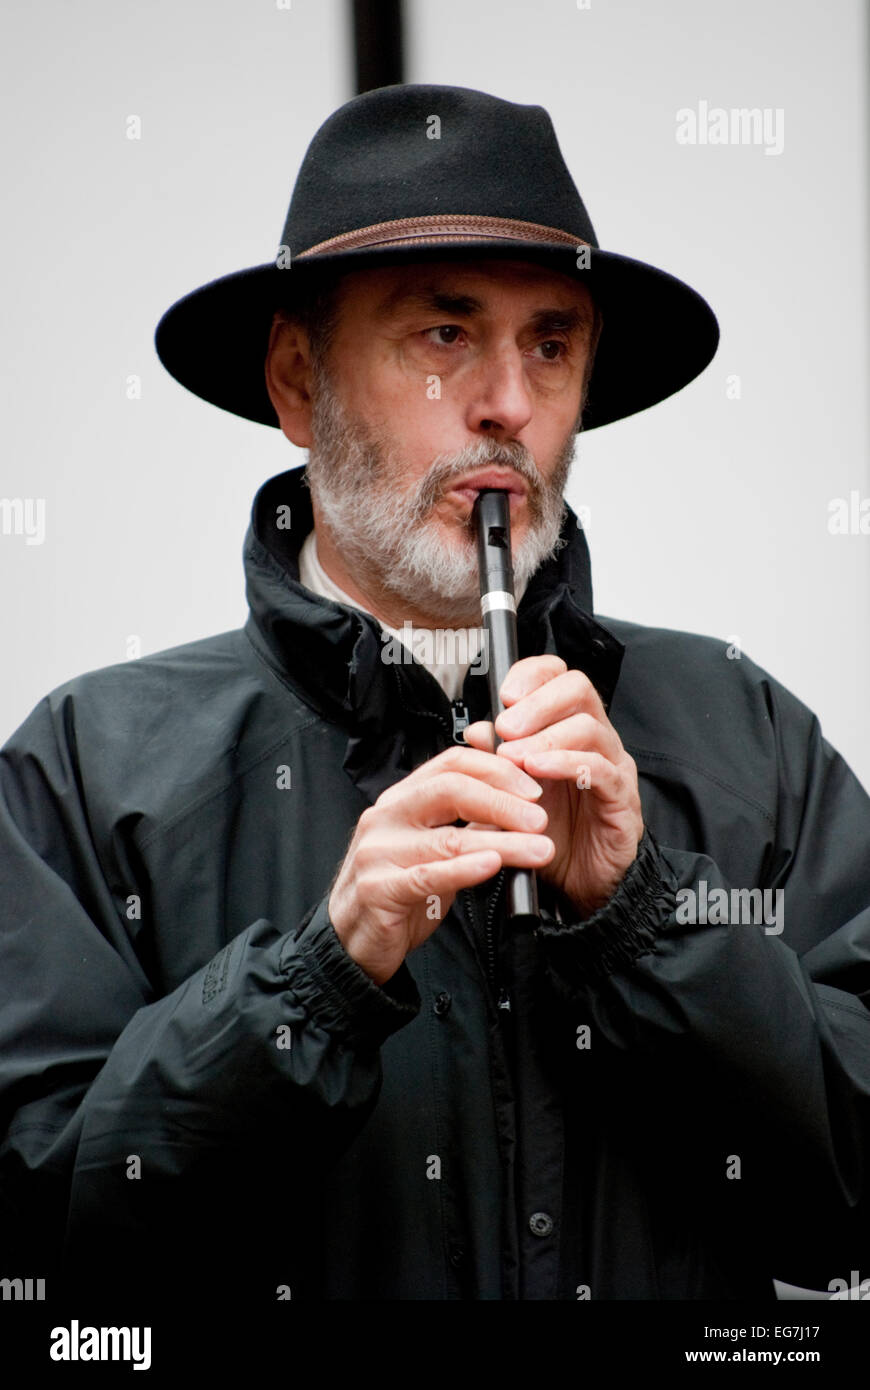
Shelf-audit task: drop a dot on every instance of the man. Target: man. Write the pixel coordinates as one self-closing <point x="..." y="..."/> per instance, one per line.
<point x="268" y="1030"/>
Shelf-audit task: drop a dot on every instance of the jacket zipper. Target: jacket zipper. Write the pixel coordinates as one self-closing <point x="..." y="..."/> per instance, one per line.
<point x="460" y="719"/>
<point x="503" y="999"/>
<point x="458" y="711"/>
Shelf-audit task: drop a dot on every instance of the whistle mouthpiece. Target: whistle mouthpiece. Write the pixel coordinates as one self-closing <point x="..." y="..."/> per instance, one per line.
<point x="492" y="513"/>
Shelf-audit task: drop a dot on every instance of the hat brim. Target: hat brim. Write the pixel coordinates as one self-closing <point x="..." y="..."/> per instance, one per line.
<point x="658" y="334"/>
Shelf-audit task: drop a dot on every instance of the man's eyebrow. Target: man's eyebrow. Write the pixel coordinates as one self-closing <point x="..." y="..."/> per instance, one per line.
<point x="560" y="320"/>
<point x="463" y="305"/>
<point x="428" y="300"/>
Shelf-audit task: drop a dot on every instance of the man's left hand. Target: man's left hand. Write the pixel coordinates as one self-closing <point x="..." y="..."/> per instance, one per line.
<point x="555" y="728"/>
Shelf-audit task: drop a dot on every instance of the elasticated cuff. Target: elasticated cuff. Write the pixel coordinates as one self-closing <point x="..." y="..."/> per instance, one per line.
<point x="625" y="928"/>
<point x="338" y="994"/>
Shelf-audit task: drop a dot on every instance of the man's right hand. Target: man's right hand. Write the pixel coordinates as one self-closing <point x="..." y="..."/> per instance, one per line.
<point x="408" y="860"/>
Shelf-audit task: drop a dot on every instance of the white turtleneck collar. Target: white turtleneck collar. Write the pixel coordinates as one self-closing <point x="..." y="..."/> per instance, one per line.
<point x="447" y="653"/>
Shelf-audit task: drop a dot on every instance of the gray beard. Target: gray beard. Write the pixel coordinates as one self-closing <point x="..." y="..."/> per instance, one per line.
<point x="382" y="534"/>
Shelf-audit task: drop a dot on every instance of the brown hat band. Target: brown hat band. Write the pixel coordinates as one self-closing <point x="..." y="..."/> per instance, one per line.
<point x="432" y="230"/>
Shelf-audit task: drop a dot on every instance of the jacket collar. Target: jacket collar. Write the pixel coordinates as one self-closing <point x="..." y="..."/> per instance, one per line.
<point x="330" y="655"/>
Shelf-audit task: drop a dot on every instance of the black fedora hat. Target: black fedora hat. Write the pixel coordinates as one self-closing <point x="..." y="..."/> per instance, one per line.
<point x="416" y="172"/>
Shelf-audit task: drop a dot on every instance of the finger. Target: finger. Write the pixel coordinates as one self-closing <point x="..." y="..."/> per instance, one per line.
<point x="582" y="732"/>
<point x="454" y="842"/>
<point x="589" y="771"/>
<point x="579" y="731"/>
<point x="529" y="673"/>
<point x="562" y="697"/>
<point x="454" y="796"/>
<point x="472" y="762"/>
<point x="445" y="876"/>
<point x="441" y="879"/>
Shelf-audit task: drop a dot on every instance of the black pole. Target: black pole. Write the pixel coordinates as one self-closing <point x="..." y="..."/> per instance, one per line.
<point x="378" y="46"/>
<point x="492" y="515"/>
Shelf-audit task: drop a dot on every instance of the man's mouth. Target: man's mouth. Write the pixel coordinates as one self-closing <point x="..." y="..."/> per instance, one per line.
<point x="503" y="478"/>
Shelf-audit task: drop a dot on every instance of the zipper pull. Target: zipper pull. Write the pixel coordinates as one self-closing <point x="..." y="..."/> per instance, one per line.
<point x="504" y="1000"/>
<point x="461" y="720"/>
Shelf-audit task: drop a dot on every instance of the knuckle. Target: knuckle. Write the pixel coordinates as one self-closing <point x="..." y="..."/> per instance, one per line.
<point x="578" y="683"/>
<point x="451" y="841"/>
<point x="448" y="784"/>
<point x="549" y="661"/>
<point x="625" y="777"/>
<point x="419" y="880"/>
<point x="367" y="885"/>
<point x="588" y="725"/>
<point x="450" y="758"/>
<point x="447" y="763"/>
<point x="368" y="853"/>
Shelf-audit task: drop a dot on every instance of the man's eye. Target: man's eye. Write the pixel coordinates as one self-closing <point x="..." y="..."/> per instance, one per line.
<point x="556" y="343"/>
<point x="451" y="330"/>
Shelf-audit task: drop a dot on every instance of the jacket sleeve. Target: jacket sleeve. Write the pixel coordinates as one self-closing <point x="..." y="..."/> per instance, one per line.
<point x="121" y="1109"/>
<point x="751" y="1036"/>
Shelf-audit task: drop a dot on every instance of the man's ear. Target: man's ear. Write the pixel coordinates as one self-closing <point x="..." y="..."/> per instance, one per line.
<point x="288" y="378"/>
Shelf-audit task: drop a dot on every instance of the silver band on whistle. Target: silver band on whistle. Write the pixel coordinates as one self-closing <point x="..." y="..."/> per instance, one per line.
<point x="497" y="598"/>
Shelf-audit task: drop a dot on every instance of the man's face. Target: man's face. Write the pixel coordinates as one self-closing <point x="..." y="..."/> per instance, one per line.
<point x="442" y="379"/>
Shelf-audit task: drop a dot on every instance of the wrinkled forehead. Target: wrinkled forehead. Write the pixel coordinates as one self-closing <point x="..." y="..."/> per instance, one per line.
<point x="469" y="287"/>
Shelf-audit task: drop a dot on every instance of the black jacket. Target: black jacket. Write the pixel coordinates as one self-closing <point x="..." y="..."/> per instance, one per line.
<point x="198" y="1084"/>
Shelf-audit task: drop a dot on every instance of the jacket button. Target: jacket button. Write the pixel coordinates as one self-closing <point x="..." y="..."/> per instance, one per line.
<point x="540" y="1224"/>
<point x="442" y="1004"/>
<point x="457" y="1255"/>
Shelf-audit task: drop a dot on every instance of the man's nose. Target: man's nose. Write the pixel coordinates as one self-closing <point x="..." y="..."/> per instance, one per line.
<point x="500" y="402"/>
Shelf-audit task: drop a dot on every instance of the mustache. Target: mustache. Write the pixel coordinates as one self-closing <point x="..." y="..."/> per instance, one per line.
<point x="447" y="468"/>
